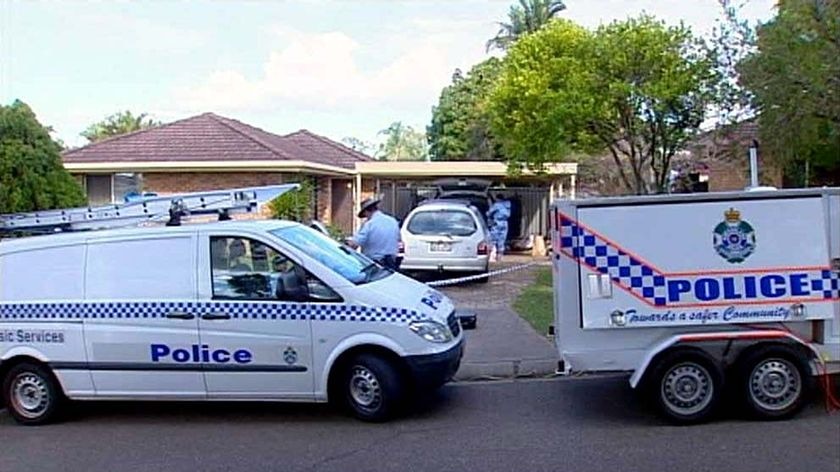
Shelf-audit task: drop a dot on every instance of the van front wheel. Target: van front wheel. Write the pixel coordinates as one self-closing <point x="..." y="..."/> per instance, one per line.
<point x="32" y="394"/>
<point x="372" y="388"/>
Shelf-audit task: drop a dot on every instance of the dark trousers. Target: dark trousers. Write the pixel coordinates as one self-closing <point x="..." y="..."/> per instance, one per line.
<point x="389" y="262"/>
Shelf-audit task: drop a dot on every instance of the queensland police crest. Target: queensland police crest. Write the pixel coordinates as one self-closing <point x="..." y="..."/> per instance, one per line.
<point x="734" y="238"/>
<point x="290" y="355"/>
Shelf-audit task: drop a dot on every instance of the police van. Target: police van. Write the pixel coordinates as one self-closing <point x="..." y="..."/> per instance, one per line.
<point x="233" y="310"/>
<point x="702" y="294"/>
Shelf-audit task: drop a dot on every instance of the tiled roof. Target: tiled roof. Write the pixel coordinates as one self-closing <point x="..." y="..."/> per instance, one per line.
<point x="317" y="145"/>
<point x="210" y="137"/>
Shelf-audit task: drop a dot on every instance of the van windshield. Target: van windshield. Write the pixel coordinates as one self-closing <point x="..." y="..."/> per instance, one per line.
<point x="348" y="263"/>
<point x="442" y="222"/>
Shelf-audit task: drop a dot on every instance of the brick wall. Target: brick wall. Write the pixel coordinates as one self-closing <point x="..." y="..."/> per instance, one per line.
<point x="726" y="175"/>
<point x="180" y="182"/>
<point x="323" y="202"/>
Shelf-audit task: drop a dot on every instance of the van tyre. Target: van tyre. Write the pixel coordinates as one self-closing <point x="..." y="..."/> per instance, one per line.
<point x="773" y="382"/>
<point x="372" y="388"/>
<point x="31" y="394"/>
<point x="687" y="386"/>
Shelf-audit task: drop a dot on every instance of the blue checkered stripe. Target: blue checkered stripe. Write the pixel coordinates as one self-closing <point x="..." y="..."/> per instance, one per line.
<point x="624" y="269"/>
<point x="828" y="283"/>
<point x="237" y="310"/>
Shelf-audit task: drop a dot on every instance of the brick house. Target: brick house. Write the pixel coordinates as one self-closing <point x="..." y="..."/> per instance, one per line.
<point x="208" y="152"/>
<point x="724" y="156"/>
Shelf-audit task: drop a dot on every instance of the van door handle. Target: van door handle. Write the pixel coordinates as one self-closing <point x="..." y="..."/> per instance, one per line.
<point x="215" y="316"/>
<point x="180" y="315"/>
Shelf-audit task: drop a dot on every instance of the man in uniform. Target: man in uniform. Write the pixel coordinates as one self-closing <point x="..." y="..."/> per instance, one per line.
<point x="379" y="236"/>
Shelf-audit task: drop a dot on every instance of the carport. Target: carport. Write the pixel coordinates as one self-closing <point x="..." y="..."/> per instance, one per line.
<point x="402" y="184"/>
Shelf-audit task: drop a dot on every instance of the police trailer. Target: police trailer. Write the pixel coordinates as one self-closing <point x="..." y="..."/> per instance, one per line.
<point x="697" y="294"/>
<point x="234" y="310"/>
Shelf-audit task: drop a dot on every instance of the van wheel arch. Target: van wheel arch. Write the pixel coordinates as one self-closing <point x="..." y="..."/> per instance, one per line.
<point x="34" y="368"/>
<point x="337" y="368"/>
<point x="6" y="366"/>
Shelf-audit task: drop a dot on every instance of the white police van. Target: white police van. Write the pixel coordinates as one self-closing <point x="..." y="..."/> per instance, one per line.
<point x="702" y="293"/>
<point x="235" y="310"/>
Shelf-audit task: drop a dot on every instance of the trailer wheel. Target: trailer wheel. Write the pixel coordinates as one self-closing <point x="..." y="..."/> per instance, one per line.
<point x="773" y="382"/>
<point x="31" y="394"/>
<point x="687" y="385"/>
<point x="372" y="388"/>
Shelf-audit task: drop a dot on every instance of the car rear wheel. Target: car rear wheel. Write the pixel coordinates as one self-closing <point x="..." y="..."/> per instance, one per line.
<point x="31" y="394"/>
<point x="773" y="382"/>
<point x="688" y="386"/>
<point x="372" y="388"/>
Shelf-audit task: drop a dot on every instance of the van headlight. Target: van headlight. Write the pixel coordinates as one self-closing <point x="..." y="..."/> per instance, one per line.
<point x="431" y="331"/>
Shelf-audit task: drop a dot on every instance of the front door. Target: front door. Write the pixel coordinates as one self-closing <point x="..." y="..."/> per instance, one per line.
<point x="342" y="204"/>
<point x="140" y="317"/>
<point x="255" y="338"/>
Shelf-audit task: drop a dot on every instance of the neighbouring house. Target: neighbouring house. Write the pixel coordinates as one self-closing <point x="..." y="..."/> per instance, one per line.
<point x="208" y="152"/>
<point x="723" y="154"/>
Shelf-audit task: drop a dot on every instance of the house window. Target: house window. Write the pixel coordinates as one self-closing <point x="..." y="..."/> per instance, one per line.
<point x="99" y="189"/>
<point x="127" y="185"/>
<point x="111" y="188"/>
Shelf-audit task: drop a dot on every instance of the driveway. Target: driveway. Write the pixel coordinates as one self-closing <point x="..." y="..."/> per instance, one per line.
<point x="503" y="345"/>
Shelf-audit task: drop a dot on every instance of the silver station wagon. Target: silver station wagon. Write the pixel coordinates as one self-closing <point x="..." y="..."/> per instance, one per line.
<point x="445" y="236"/>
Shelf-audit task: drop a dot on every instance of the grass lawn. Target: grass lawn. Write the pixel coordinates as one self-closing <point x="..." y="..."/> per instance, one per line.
<point x="536" y="303"/>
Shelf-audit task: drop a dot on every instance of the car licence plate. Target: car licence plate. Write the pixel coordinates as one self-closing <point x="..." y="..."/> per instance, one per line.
<point x="440" y="247"/>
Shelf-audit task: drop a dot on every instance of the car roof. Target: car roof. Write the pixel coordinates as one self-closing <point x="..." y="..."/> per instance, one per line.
<point x="78" y="237"/>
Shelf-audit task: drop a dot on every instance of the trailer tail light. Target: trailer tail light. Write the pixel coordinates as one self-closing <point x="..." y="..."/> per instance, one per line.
<point x="401" y="247"/>
<point x="482" y="249"/>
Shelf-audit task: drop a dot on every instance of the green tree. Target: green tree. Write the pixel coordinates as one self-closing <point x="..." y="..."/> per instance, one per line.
<point x="526" y="17"/>
<point x="31" y="174"/>
<point x="636" y="89"/>
<point x="794" y="79"/>
<point x="119" y="123"/>
<point x="402" y="143"/>
<point x="294" y="205"/>
<point x="460" y="127"/>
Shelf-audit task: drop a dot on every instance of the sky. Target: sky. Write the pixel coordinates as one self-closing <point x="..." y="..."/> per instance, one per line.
<point x="336" y="67"/>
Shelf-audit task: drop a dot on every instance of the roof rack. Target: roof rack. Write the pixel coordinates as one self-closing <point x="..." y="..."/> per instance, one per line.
<point x="172" y="208"/>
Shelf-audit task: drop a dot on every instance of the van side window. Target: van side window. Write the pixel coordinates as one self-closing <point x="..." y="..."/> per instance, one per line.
<point x="245" y="269"/>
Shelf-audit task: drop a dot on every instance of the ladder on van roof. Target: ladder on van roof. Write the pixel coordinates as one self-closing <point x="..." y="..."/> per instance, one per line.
<point x="171" y="208"/>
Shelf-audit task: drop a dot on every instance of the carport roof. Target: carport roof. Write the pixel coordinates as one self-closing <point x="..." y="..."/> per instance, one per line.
<point x="397" y="169"/>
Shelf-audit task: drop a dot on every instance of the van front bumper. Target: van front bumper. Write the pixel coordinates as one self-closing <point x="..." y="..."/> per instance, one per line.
<point x="433" y="370"/>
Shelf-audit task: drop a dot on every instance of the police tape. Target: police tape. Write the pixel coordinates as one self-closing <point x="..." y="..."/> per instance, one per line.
<point x="492" y="273"/>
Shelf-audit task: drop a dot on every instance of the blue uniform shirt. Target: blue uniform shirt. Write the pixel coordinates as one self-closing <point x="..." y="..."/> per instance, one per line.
<point x="379" y="236"/>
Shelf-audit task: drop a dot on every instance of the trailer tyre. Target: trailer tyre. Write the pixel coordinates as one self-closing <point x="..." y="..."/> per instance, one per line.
<point x="687" y="386"/>
<point x="773" y="382"/>
<point x="31" y="394"/>
<point x="372" y="388"/>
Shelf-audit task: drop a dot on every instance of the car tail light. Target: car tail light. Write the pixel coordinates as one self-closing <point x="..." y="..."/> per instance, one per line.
<point x="482" y="249"/>
<point x="401" y="247"/>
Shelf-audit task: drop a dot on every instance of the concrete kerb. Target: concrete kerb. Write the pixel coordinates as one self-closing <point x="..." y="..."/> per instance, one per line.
<point x="506" y="369"/>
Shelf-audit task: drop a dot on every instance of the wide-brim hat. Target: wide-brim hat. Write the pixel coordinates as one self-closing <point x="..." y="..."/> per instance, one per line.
<point x="367" y="203"/>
